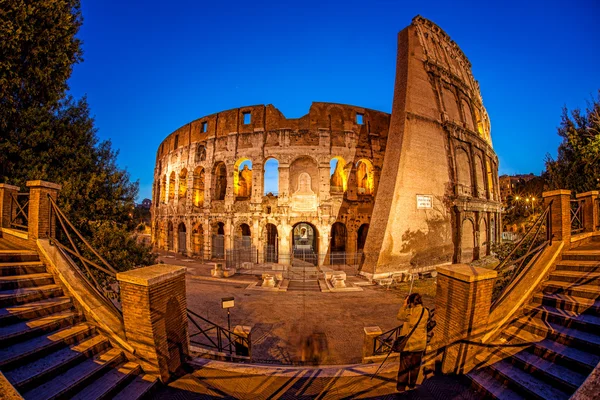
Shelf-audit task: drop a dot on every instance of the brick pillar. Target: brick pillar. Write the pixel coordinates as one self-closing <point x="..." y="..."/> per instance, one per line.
<point x="155" y="317"/>
<point x="462" y="307"/>
<point x="590" y="209"/>
<point x="560" y="213"/>
<point x="39" y="208"/>
<point x="371" y="332"/>
<point x="241" y="349"/>
<point x="6" y="194"/>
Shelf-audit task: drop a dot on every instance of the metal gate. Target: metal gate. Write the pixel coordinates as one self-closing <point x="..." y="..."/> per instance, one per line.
<point x="182" y="244"/>
<point x="218" y="246"/>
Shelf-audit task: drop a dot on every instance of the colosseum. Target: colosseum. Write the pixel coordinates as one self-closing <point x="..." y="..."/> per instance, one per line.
<point x="343" y="184"/>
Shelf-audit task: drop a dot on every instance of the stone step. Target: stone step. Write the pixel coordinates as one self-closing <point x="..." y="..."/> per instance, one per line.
<point x="579" y="305"/>
<point x="29" y="375"/>
<point x="21" y="268"/>
<point x="586" y="341"/>
<point x="561" y="377"/>
<point x="565" y="318"/>
<point x="576" y="277"/>
<point x="487" y="383"/>
<point x="25" y="281"/>
<point x="13" y="314"/>
<point x="18" y="256"/>
<point x="141" y="386"/>
<point x="578" y="360"/>
<point x="26" y="295"/>
<point x="40" y="346"/>
<point x="578" y="265"/>
<point x="581" y="255"/>
<point x="527" y="385"/>
<point x="76" y="377"/>
<point x="571" y="289"/>
<point x="21" y="331"/>
<point x="109" y="384"/>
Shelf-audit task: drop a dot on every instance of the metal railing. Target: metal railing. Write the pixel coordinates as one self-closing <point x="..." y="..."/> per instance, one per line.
<point x="577" y="222"/>
<point x="19" y="211"/>
<point x="383" y="343"/>
<point x="100" y="275"/>
<point x="525" y="252"/>
<point x="597" y="205"/>
<point x="212" y="336"/>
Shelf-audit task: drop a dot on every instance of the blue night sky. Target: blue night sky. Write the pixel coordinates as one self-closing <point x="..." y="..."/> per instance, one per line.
<point x="151" y="66"/>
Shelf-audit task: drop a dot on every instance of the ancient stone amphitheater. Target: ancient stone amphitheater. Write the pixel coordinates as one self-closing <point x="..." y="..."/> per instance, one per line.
<point x="416" y="188"/>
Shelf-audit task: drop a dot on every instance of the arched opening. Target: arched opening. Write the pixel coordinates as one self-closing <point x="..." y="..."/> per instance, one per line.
<point x="483" y="238"/>
<point x="468" y="116"/>
<point x="272" y="243"/>
<point x="365" y="180"/>
<point x="463" y="173"/>
<point x="242" y="179"/>
<point x="492" y="230"/>
<point x="467" y="241"/>
<point x="198" y="240"/>
<point x="172" y="186"/>
<point x="243" y="238"/>
<point x="305" y="242"/>
<point x="219" y="181"/>
<point x="337" y="245"/>
<point x="182" y="238"/>
<point x="339" y="178"/>
<point x="218" y="240"/>
<point x="361" y="237"/>
<point x="480" y="180"/>
<point x="271" y="177"/>
<point x="198" y="187"/>
<point x="182" y="183"/>
<point x="163" y="191"/>
<point x="200" y="153"/>
<point x="170" y="235"/>
<point x="490" y="181"/>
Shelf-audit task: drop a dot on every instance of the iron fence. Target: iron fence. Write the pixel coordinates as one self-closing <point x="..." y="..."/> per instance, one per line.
<point x="19" y="211"/>
<point x="383" y="343"/>
<point x="209" y="335"/>
<point x="577" y="222"/>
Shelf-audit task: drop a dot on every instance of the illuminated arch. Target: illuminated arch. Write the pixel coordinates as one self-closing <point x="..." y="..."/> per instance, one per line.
<point x="198" y="187"/>
<point x="183" y="183"/>
<point x="338" y="176"/>
<point x="365" y="179"/>
<point x="242" y="178"/>
<point x="172" y="186"/>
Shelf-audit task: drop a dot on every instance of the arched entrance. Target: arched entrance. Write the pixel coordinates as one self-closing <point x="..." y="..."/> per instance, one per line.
<point x="337" y="245"/>
<point x="305" y="242"/>
<point x="218" y="240"/>
<point x="272" y="243"/>
<point x="361" y="237"/>
<point x="198" y="240"/>
<point x="170" y="235"/>
<point x="244" y="237"/>
<point x="182" y="239"/>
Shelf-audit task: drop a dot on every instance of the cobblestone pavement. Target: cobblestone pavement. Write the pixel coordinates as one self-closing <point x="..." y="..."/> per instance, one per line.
<point x="282" y="322"/>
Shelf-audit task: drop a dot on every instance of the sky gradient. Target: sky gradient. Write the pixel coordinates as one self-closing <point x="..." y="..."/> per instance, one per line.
<point x="152" y="66"/>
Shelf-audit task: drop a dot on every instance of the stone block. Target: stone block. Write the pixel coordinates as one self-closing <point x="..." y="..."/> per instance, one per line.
<point x="268" y="281"/>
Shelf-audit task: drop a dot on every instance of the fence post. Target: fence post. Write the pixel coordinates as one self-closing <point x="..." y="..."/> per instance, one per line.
<point x="371" y="332"/>
<point x="155" y="316"/>
<point x="241" y="349"/>
<point x="6" y="194"/>
<point x="39" y="208"/>
<point x="560" y="213"/>
<point x="590" y="209"/>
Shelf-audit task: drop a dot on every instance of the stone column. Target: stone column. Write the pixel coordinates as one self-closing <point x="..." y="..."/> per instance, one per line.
<point x="560" y="213"/>
<point x="324" y="181"/>
<point x="258" y="171"/>
<point x="371" y="332"/>
<point x="462" y="307"/>
<point x="155" y="317"/>
<point x="284" y="184"/>
<point x="39" y="208"/>
<point x="6" y="194"/>
<point x="590" y="209"/>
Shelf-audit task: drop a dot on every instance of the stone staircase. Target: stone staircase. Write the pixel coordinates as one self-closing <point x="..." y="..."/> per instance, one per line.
<point x="549" y="351"/>
<point x="47" y="349"/>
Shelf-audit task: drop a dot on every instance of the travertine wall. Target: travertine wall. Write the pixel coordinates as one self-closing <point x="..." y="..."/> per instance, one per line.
<point x="437" y="143"/>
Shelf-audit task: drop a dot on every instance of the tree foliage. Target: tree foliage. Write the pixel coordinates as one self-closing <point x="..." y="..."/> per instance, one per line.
<point x="577" y="166"/>
<point x="46" y="134"/>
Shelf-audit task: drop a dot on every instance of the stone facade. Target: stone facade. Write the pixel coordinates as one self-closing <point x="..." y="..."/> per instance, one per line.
<point x="435" y="148"/>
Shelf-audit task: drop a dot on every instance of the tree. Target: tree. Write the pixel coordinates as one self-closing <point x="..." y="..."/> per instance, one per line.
<point x="577" y="166"/>
<point x="45" y="134"/>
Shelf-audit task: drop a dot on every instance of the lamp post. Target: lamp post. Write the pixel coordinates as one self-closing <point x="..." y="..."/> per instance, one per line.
<point x="227" y="303"/>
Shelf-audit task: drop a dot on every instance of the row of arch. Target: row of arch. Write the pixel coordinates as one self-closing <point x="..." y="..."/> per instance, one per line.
<point x="474" y="176"/>
<point x="176" y="184"/>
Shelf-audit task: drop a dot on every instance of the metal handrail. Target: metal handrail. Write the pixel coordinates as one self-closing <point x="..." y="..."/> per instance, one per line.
<point x="20" y="215"/>
<point x="510" y="268"/>
<point x="223" y="341"/>
<point x="92" y="271"/>
<point x="577" y="216"/>
<point x="383" y="343"/>
<point x="597" y="213"/>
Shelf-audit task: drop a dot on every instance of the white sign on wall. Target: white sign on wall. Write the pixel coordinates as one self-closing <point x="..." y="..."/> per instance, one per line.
<point x="424" y="202"/>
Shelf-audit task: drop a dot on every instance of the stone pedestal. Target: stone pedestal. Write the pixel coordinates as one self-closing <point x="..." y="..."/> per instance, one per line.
<point x="217" y="270"/>
<point x="560" y="213"/>
<point x="39" y="209"/>
<point x="371" y="332"/>
<point x="462" y="307"/>
<point x="590" y="210"/>
<point x="268" y="280"/>
<point x="155" y="317"/>
<point x="6" y="194"/>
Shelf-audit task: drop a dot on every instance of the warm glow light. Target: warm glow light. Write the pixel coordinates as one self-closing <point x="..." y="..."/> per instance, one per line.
<point x="517" y="198"/>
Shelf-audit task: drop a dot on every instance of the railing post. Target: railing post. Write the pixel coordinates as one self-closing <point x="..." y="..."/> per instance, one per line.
<point x="154" y="307"/>
<point x="590" y="209"/>
<point x="39" y="223"/>
<point x="371" y="332"/>
<point x="6" y="194"/>
<point x="560" y="213"/>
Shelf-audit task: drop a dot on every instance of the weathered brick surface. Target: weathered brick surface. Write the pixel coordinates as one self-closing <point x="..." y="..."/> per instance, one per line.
<point x="39" y="208"/>
<point x="560" y="213"/>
